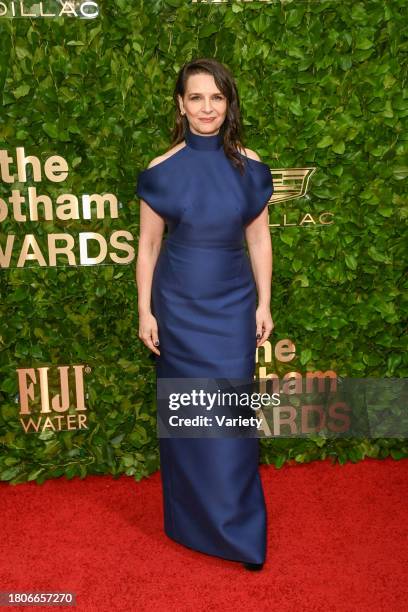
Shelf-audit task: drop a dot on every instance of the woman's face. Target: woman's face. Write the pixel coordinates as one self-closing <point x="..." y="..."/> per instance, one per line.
<point x="204" y="105"/>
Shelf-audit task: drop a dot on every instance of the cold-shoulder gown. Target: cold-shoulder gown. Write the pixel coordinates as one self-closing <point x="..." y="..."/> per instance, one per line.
<point x="204" y="301"/>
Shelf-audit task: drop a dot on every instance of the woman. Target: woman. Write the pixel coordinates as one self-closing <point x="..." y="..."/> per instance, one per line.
<point x="197" y="302"/>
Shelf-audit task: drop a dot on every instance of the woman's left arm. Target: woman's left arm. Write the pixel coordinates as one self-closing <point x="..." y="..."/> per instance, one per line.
<point x="259" y="241"/>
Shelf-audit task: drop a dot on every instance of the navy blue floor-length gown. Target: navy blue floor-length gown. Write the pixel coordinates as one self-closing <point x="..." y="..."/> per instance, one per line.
<point x="204" y="301"/>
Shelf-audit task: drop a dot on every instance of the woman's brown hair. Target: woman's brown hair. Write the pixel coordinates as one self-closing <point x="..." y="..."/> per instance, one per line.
<point x="231" y="128"/>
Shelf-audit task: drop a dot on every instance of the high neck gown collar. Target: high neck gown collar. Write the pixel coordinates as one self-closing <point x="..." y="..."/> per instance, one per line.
<point x="203" y="143"/>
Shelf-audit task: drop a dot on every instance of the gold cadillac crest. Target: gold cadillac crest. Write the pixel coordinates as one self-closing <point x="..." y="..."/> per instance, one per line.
<point x="290" y="183"/>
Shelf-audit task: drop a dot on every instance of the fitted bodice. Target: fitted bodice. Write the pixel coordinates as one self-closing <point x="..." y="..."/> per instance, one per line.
<point x="202" y="197"/>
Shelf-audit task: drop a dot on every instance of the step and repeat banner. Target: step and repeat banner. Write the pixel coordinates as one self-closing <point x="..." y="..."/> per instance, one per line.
<point x="86" y="102"/>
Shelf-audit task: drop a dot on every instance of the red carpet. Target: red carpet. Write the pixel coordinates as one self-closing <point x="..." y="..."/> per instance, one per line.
<point x="337" y="542"/>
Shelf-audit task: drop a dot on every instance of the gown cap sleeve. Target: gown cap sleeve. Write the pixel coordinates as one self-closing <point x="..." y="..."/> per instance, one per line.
<point x="151" y="187"/>
<point x="261" y="188"/>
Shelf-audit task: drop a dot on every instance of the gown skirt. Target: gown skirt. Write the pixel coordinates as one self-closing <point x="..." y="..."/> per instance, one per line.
<point x="204" y="301"/>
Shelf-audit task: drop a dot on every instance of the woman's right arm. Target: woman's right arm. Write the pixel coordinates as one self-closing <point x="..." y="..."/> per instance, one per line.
<point x="150" y="238"/>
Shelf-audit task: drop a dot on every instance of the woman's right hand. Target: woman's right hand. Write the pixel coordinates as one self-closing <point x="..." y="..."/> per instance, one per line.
<point x="148" y="331"/>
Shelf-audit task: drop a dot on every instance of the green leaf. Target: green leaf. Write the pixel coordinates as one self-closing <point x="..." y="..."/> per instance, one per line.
<point x="34" y="474"/>
<point x="296" y="108"/>
<point x="50" y="129"/>
<point x="279" y="461"/>
<point x="304" y="281"/>
<point x="305" y="356"/>
<point x="363" y="43"/>
<point x="207" y="30"/>
<point x="325" y="142"/>
<point x="339" y="147"/>
<point x="21" y="91"/>
<point x="351" y="261"/>
<point x="10" y="473"/>
<point x="400" y="172"/>
<point x="287" y="238"/>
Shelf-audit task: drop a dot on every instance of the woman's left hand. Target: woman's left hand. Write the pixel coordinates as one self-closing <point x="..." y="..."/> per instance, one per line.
<point x="264" y="324"/>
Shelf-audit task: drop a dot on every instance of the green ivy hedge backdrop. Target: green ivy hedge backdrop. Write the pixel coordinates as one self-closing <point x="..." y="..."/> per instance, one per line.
<point x="322" y="84"/>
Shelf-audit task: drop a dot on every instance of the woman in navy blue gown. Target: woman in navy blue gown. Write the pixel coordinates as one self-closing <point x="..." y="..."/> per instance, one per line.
<point x="197" y="294"/>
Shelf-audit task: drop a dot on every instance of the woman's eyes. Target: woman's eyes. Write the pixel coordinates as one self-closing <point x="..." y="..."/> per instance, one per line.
<point x="197" y="97"/>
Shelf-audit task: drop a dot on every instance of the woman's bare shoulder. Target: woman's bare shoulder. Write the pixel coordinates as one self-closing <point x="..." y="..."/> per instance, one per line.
<point x="250" y="153"/>
<point x="166" y="155"/>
